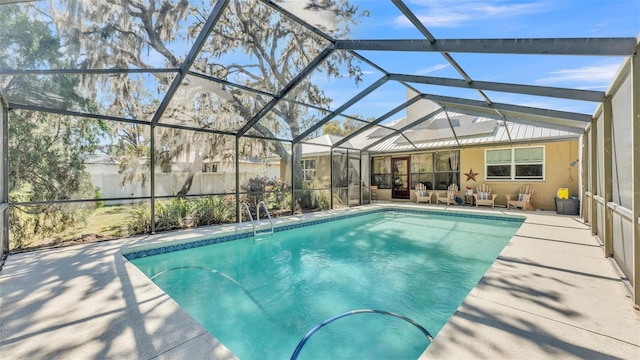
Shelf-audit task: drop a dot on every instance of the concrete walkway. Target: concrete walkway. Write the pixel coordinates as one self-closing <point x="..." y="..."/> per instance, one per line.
<point x="551" y="294"/>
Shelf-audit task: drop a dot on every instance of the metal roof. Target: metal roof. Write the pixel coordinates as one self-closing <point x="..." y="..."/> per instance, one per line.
<point x="485" y="132"/>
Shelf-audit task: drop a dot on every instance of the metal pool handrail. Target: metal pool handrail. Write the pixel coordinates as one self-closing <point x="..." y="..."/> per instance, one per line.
<point x="250" y="218"/>
<point x="264" y="205"/>
<point x="304" y="340"/>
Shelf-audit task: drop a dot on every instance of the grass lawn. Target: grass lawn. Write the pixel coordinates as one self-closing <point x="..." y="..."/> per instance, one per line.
<point x="104" y="223"/>
<point x="109" y="221"/>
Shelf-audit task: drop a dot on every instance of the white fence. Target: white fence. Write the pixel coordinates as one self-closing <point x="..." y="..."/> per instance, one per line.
<point x="111" y="185"/>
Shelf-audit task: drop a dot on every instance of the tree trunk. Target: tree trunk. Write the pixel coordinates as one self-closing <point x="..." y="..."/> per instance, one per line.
<point x="193" y="168"/>
<point x="295" y="167"/>
<point x="186" y="187"/>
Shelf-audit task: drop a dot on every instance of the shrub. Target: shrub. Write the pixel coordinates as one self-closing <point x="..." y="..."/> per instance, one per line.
<point x="316" y="196"/>
<point x="274" y="192"/>
<point x="139" y="219"/>
<point x="171" y="214"/>
<point x="98" y="195"/>
<point x="37" y="222"/>
<point x="214" y="209"/>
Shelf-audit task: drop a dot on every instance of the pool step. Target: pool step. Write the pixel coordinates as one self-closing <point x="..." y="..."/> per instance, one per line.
<point x="263" y="228"/>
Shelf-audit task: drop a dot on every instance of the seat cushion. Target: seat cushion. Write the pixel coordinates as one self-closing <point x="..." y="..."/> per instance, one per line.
<point x="483" y="195"/>
<point x="523" y="197"/>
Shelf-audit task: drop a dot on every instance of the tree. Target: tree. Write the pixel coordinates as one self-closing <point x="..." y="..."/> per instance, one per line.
<point x="28" y="44"/>
<point x="264" y="50"/>
<point x="342" y="128"/>
<point x="46" y="151"/>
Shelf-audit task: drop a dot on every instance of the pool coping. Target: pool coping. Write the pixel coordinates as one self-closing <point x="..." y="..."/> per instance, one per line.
<point x="96" y="304"/>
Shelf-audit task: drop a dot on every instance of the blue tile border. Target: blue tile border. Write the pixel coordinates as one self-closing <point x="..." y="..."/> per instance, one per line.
<point x="514" y="218"/>
<point x="189" y="245"/>
<point x="215" y="240"/>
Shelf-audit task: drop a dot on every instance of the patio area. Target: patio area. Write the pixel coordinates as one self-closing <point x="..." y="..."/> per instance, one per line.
<point x="550" y="294"/>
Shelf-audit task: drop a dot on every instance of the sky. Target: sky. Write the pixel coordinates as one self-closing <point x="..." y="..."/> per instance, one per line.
<point x="464" y="19"/>
<point x="471" y="19"/>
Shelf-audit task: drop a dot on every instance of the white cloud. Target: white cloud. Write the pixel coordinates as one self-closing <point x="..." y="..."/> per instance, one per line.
<point x="583" y="108"/>
<point x="601" y="25"/>
<point x="431" y="69"/>
<point x="488" y="10"/>
<point x="591" y="74"/>
<point x="453" y="13"/>
<point x="434" y="20"/>
<point x="594" y="87"/>
<point x="323" y="19"/>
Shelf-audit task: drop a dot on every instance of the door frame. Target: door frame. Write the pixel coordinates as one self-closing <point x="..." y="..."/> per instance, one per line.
<point x="404" y="193"/>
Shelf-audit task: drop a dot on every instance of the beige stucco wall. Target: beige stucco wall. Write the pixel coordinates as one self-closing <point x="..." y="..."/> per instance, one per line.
<point x="323" y="167"/>
<point x="558" y="173"/>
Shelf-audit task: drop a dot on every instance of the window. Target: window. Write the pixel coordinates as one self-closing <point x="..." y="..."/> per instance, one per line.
<point x="381" y="172"/>
<point x="308" y="169"/>
<point x="525" y="163"/>
<point x="435" y="170"/>
<point x="447" y="168"/>
<point x="209" y="168"/>
<point x="422" y="170"/>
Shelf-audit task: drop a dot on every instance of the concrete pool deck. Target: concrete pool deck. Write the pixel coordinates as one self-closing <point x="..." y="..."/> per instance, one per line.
<point x="550" y="294"/>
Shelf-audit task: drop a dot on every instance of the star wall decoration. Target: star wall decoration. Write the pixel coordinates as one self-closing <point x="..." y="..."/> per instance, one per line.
<point x="471" y="175"/>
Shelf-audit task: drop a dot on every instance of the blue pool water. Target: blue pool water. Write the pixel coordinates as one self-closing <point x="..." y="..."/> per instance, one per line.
<point x="260" y="299"/>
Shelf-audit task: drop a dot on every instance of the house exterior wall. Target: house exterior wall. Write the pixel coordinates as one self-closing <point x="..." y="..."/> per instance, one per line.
<point x="323" y="167"/>
<point x="557" y="168"/>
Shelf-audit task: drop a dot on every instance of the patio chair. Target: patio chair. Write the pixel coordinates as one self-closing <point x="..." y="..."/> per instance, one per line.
<point x="523" y="200"/>
<point x="422" y="195"/>
<point x="374" y="193"/>
<point x="449" y="196"/>
<point x="484" y="196"/>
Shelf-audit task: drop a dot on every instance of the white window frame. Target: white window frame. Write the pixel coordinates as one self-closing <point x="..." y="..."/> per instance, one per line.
<point x="512" y="165"/>
<point x="308" y="173"/>
<point x="209" y="168"/>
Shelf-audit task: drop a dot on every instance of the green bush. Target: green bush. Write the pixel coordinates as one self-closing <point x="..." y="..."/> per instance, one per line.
<point x="169" y="213"/>
<point x="315" y="196"/>
<point x="98" y="195"/>
<point x="139" y="219"/>
<point x="28" y="224"/>
<point x="214" y="210"/>
<point x="273" y="191"/>
<point x="180" y="212"/>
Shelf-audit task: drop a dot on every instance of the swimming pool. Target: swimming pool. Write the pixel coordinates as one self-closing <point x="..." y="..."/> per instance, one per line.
<point x="261" y="298"/>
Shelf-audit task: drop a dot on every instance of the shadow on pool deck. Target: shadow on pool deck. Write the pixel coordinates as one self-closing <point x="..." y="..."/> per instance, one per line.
<point x="551" y="293"/>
